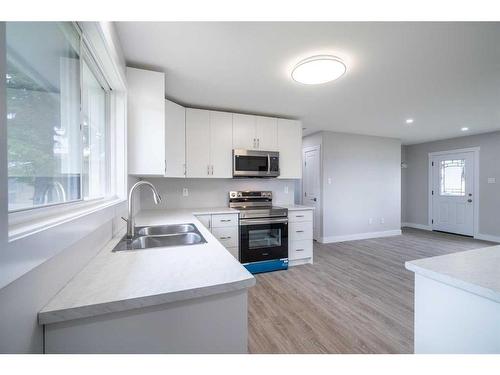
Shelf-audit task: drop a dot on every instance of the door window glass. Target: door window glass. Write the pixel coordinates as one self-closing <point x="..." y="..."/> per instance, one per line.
<point x="452" y="177"/>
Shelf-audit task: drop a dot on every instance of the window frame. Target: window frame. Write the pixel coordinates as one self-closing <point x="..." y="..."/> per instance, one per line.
<point x="24" y="222"/>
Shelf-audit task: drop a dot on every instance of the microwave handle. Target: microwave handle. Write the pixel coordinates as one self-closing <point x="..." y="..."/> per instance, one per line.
<point x="268" y="164"/>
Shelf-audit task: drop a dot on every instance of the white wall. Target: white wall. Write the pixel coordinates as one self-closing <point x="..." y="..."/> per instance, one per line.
<point x="365" y="175"/>
<point x="206" y="192"/>
<point x="415" y="201"/>
<point x="34" y="268"/>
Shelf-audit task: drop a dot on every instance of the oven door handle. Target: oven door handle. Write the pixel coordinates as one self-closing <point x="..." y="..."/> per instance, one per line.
<point x="263" y="221"/>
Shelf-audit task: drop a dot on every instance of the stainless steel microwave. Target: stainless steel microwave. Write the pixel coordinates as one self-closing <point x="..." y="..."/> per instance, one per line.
<point x="250" y="163"/>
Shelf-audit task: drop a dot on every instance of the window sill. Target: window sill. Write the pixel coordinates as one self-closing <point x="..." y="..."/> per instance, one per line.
<point x="20" y="228"/>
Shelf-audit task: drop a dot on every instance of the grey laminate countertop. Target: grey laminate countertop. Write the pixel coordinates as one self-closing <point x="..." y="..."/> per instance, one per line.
<point x="126" y="280"/>
<point x="476" y="271"/>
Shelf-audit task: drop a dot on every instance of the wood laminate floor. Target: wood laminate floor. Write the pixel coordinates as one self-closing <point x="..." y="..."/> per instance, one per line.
<point x="357" y="297"/>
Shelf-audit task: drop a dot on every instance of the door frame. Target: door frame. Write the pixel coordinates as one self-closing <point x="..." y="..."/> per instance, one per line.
<point x="320" y="204"/>
<point x="475" y="151"/>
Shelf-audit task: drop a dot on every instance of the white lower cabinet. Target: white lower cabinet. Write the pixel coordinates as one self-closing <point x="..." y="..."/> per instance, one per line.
<point x="225" y="228"/>
<point x="300" y="237"/>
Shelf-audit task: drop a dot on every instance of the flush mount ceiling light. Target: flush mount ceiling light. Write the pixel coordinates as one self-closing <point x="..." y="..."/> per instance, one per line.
<point x="464" y="129"/>
<point x="319" y="69"/>
<point x="409" y="121"/>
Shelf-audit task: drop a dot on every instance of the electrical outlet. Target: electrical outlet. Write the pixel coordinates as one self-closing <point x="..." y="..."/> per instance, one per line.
<point x="185" y="192"/>
<point x="329" y="181"/>
<point x="382" y="220"/>
<point x="370" y="221"/>
<point x="286" y="189"/>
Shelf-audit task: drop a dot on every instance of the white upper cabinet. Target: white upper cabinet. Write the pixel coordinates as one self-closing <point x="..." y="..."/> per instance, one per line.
<point x="290" y="148"/>
<point x="254" y="132"/>
<point x="175" y="139"/>
<point x="146" y="122"/>
<point x="244" y="136"/>
<point x="221" y="147"/>
<point x="197" y="143"/>
<point x="266" y="133"/>
<point x="209" y="148"/>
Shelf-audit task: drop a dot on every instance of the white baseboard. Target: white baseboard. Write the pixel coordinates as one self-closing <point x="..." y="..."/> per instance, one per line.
<point x="417" y="226"/>
<point x="487" y="237"/>
<point x="360" y="236"/>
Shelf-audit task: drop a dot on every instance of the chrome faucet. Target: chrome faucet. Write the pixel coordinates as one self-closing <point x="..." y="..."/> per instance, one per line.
<point x="130" y="220"/>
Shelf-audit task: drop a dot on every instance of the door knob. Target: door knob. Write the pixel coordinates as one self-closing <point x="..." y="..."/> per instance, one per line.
<point x="313" y="199"/>
<point x="469" y="200"/>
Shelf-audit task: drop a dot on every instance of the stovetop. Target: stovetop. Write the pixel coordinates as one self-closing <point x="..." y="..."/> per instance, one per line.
<point x="255" y="204"/>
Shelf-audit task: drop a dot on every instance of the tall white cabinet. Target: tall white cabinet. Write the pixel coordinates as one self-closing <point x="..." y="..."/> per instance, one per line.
<point x="289" y="133"/>
<point x="146" y="122"/>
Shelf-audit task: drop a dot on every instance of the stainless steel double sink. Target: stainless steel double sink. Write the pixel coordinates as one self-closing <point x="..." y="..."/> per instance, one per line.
<point x="161" y="236"/>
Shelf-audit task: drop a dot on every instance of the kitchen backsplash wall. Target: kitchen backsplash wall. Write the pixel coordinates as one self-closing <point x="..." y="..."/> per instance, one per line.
<point x="204" y="192"/>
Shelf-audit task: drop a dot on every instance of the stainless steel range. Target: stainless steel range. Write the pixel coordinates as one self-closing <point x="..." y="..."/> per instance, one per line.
<point x="263" y="231"/>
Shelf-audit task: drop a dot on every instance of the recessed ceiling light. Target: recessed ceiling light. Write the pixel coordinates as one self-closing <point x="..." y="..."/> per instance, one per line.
<point x="318" y="69"/>
<point x="409" y="121"/>
<point x="464" y="129"/>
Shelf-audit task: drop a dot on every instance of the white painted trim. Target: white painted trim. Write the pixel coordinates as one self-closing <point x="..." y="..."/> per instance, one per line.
<point x="361" y="236"/>
<point x="476" y="152"/>
<point x="487" y="237"/>
<point x="416" y="226"/>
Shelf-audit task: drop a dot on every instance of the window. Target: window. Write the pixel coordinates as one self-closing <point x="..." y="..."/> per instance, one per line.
<point x="452" y="178"/>
<point x="56" y="117"/>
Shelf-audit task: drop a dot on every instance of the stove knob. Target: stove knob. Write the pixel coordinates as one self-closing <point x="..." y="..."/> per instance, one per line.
<point x="239" y="194"/>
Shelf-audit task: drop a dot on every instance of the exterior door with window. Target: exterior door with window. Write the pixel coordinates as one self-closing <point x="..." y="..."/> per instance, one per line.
<point x="453" y="193"/>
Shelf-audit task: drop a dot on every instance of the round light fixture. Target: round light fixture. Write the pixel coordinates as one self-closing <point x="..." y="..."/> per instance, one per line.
<point x="318" y="69"/>
<point x="409" y="121"/>
<point x="464" y="129"/>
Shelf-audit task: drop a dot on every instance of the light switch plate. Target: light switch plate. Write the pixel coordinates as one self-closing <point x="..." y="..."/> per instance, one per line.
<point x="286" y="189"/>
<point x="492" y="180"/>
<point x="185" y="192"/>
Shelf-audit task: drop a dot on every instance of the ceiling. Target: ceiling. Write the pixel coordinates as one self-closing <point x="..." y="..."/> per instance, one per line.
<point x="443" y="75"/>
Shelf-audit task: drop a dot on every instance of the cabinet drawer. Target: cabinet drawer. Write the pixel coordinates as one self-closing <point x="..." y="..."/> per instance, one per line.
<point x="227" y="220"/>
<point x="297" y="216"/>
<point x="227" y="236"/>
<point x="300" y="231"/>
<point x="233" y="251"/>
<point x="205" y="220"/>
<point x="300" y="249"/>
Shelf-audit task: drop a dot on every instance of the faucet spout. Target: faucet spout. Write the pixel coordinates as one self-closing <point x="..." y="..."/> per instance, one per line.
<point x="130" y="220"/>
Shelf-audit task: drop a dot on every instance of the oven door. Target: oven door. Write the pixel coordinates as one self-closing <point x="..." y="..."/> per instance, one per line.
<point x="248" y="163"/>
<point x="263" y="239"/>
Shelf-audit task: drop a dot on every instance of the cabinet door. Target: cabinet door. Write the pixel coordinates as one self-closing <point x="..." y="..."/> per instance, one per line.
<point x="290" y="148"/>
<point x="266" y="133"/>
<point x="221" y="145"/>
<point x="175" y="139"/>
<point x="197" y="142"/>
<point x="244" y="136"/>
<point x="146" y="122"/>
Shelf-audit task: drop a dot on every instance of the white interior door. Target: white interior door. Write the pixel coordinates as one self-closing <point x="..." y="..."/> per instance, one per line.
<point x="311" y="185"/>
<point x="453" y="193"/>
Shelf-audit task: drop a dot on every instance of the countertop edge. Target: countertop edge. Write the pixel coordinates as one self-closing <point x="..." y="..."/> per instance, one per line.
<point x="454" y="282"/>
<point x="81" y="312"/>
